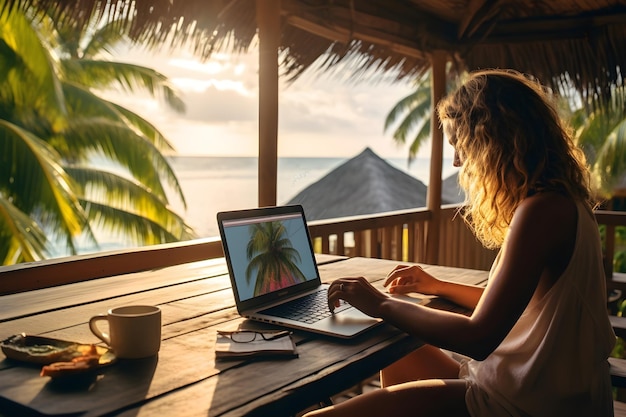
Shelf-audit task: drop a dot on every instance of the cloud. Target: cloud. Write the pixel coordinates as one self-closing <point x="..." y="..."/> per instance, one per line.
<point x="319" y="115"/>
<point x="212" y="105"/>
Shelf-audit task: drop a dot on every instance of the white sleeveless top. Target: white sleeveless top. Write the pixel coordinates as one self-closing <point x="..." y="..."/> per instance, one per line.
<point x="554" y="360"/>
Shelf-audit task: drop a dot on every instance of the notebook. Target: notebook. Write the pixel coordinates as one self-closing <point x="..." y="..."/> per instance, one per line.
<point x="274" y="275"/>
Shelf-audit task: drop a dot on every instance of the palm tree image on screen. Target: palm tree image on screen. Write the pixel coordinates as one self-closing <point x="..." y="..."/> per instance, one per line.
<point x="272" y="258"/>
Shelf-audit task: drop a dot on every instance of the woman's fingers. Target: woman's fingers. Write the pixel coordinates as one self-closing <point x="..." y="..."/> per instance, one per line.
<point x="402" y="271"/>
<point x="352" y="290"/>
<point x="333" y="295"/>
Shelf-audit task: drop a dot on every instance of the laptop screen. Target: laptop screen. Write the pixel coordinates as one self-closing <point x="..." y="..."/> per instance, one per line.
<point x="267" y="253"/>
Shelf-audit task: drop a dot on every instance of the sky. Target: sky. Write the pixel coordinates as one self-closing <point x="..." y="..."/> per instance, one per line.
<point x="319" y="115"/>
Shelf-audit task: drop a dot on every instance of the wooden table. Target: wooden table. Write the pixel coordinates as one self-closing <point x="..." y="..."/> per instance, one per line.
<point x="185" y="380"/>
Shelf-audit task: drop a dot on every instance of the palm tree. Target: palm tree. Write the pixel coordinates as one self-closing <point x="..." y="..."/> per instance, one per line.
<point x="53" y="126"/>
<point x="600" y="128"/>
<point x="272" y="257"/>
<point x="415" y="112"/>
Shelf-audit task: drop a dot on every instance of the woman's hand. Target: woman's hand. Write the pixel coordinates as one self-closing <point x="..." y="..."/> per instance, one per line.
<point x="359" y="293"/>
<point x="404" y="279"/>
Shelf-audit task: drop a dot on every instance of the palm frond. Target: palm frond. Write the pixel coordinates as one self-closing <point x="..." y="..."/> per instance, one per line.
<point x="610" y="164"/>
<point x="139" y="230"/>
<point x="147" y="129"/>
<point x="104" y="38"/>
<point x="21" y="238"/>
<point x="401" y="107"/>
<point x="29" y="76"/>
<point x="31" y="164"/>
<point x="116" y="133"/>
<point x="421" y="136"/>
<point x="415" y="111"/>
<point x="129" y="77"/>
<point x="133" y="152"/>
<point x="104" y="187"/>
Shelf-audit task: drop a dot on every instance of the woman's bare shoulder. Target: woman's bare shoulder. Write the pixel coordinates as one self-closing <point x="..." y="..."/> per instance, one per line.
<point x="548" y="222"/>
<point x="548" y="205"/>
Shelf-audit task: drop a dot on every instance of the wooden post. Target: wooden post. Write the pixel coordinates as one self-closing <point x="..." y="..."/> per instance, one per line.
<point x="268" y="21"/>
<point x="433" y="203"/>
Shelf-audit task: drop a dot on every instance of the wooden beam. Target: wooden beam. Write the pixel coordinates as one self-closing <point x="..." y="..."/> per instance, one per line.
<point x="470" y="15"/>
<point x="343" y="35"/>
<point x="433" y="203"/>
<point x="268" y="21"/>
<point x="344" y="24"/>
<point x="416" y="34"/>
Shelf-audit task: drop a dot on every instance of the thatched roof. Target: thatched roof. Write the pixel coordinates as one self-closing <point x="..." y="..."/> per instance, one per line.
<point x="365" y="184"/>
<point x="451" y="191"/>
<point x="577" y="40"/>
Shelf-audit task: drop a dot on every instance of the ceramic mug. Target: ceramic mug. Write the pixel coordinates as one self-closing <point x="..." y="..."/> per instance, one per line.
<point x="134" y="331"/>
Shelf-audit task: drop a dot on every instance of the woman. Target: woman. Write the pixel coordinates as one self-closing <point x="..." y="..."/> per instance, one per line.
<point x="538" y="339"/>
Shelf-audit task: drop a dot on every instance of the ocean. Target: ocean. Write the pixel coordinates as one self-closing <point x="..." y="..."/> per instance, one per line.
<point x="212" y="184"/>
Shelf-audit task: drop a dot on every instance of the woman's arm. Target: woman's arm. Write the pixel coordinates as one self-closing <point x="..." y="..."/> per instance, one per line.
<point x="405" y="279"/>
<point x="538" y="247"/>
<point x="464" y="295"/>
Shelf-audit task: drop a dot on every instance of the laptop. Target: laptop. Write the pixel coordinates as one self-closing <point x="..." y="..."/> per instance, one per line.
<point x="274" y="275"/>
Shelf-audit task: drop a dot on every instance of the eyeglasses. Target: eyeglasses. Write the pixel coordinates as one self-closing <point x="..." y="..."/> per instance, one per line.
<point x="247" y="336"/>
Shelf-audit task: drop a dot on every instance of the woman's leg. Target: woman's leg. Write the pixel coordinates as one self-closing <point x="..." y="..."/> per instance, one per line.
<point x="427" y="362"/>
<point x="423" y="383"/>
<point x="426" y="398"/>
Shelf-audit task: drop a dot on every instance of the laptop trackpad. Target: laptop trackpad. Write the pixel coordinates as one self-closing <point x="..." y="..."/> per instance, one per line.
<point x="352" y="315"/>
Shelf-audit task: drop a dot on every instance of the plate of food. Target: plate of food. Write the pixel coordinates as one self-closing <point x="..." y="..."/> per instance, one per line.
<point x="58" y="357"/>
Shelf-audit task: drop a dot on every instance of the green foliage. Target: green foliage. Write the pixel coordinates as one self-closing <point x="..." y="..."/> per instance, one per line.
<point x="601" y="133"/>
<point x="619" y="260"/>
<point x="53" y="126"/>
<point x="414" y="113"/>
<point x="619" y="349"/>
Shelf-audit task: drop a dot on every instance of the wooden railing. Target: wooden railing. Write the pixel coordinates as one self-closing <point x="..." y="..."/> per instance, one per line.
<point x="401" y="236"/>
<point x="398" y="235"/>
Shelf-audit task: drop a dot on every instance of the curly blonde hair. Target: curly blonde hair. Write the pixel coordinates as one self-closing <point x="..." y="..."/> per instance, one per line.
<point x="512" y="144"/>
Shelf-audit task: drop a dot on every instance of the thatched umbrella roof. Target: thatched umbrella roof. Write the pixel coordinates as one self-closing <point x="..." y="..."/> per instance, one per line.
<point x="579" y="41"/>
<point x="365" y="184"/>
<point x="451" y="191"/>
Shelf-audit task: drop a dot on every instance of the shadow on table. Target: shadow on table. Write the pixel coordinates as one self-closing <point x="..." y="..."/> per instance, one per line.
<point x="128" y="381"/>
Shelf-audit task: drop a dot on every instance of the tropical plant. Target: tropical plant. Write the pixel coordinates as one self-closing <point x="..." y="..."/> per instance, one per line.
<point x="600" y="128"/>
<point x="272" y="257"/>
<point x="56" y="134"/>
<point x="601" y="133"/>
<point x="415" y="112"/>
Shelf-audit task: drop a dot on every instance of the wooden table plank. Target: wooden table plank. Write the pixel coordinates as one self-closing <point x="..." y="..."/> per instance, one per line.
<point x="208" y="309"/>
<point x="50" y="299"/>
<point x="54" y="298"/>
<point x="377" y="269"/>
<point x="44" y="323"/>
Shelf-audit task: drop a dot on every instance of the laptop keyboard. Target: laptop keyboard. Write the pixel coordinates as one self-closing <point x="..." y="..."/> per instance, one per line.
<point x="308" y="309"/>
